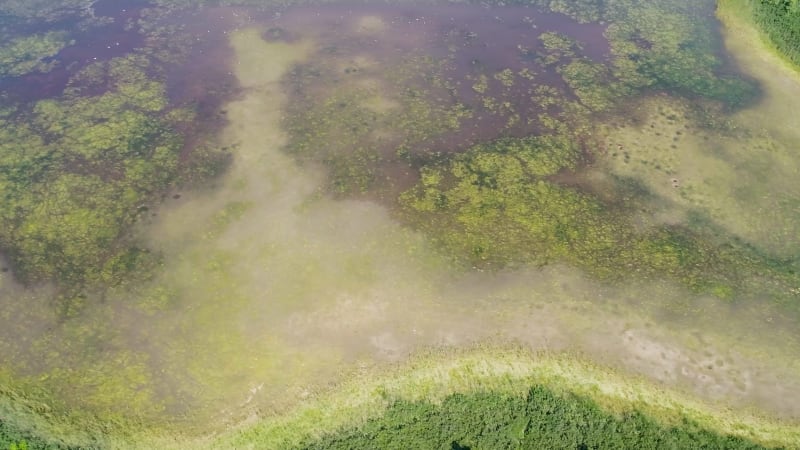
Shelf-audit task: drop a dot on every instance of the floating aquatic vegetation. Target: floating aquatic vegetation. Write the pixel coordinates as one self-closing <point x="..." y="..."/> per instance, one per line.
<point x="32" y="53"/>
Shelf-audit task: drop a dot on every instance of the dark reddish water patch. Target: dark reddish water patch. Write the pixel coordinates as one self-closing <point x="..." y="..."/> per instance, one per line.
<point x="207" y="72"/>
<point x="469" y="40"/>
<point x="495" y="34"/>
<point x="120" y="10"/>
<point x="464" y="41"/>
<point x="98" y="43"/>
<point x="205" y="81"/>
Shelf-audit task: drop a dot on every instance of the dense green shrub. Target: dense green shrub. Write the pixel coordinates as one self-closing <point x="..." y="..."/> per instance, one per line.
<point x="542" y="419"/>
<point x="780" y="21"/>
<point x="12" y="438"/>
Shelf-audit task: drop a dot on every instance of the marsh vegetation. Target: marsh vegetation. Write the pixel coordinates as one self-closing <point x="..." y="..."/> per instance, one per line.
<point x="213" y="213"/>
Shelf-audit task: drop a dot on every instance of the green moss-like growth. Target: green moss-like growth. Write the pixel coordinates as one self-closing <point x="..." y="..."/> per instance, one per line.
<point x="89" y="166"/>
<point x="497" y="205"/>
<point x="505" y="77"/>
<point x="500" y="183"/>
<point x="28" y="54"/>
<point x="591" y="83"/>
<point x="42" y="10"/>
<point x="541" y="419"/>
<point x="337" y="133"/>
<point x="673" y="48"/>
<point x="562" y="45"/>
<point x="665" y="45"/>
<point x="356" y="129"/>
<point x="582" y="10"/>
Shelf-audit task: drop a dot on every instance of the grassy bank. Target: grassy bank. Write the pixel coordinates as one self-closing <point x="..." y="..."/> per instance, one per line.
<point x="405" y="403"/>
<point x="776" y="23"/>
<point x="482" y="397"/>
<point x="31" y="422"/>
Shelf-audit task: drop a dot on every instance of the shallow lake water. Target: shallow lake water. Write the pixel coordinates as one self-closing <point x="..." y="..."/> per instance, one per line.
<point x="273" y="287"/>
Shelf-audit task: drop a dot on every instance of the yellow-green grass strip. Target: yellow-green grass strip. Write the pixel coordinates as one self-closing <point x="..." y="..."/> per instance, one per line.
<point x="510" y="370"/>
